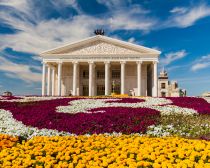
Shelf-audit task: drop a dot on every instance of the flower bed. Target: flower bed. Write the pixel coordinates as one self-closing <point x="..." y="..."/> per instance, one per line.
<point x="31" y="116"/>
<point x="114" y="129"/>
<point x="107" y="151"/>
<point x="43" y="114"/>
<point x="198" y="104"/>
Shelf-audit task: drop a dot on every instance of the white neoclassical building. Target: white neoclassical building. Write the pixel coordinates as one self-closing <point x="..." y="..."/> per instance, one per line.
<point x="100" y="65"/>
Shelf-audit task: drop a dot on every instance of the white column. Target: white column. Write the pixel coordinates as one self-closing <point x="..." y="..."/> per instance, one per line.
<point x="75" y="64"/>
<point x="48" y="80"/>
<point x="53" y="81"/>
<point x="139" y="63"/>
<point x="155" y="79"/>
<point x="107" y="78"/>
<point x="122" y="77"/>
<point x="91" y="84"/>
<point x="59" y="77"/>
<point x="43" y="79"/>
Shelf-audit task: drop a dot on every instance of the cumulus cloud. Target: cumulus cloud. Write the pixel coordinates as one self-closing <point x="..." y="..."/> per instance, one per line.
<point x="172" y="56"/>
<point x="184" y="17"/>
<point x="201" y="63"/>
<point x="36" y="35"/>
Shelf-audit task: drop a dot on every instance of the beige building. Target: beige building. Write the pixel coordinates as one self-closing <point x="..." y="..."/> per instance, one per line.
<point x="167" y="88"/>
<point x="100" y="65"/>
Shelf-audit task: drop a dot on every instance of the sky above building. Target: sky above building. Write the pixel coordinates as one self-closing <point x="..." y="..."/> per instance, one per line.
<point x="179" y="29"/>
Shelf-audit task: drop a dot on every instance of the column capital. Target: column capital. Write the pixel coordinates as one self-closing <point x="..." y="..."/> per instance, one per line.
<point x="107" y="62"/>
<point x="60" y="62"/>
<point x="49" y="65"/>
<point x="122" y="62"/>
<point x="75" y="62"/>
<point x="154" y="62"/>
<point x="139" y="62"/>
<point x="91" y="62"/>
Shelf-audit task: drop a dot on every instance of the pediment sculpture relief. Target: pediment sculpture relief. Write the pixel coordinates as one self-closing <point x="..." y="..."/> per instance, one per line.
<point x="101" y="48"/>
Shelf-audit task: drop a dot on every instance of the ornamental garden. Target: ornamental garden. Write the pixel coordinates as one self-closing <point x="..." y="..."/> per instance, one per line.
<point x="104" y="132"/>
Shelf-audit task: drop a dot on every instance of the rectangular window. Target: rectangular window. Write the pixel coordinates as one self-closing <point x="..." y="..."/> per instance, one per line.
<point x="85" y="74"/>
<point x="163" y="85"/>
<point x="115" y="74"/>
<point x="100" y="90"/>
<point x="100" y="74"/>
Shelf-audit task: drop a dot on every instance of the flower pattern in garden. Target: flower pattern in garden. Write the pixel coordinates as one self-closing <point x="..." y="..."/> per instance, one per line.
<point x="31" y="116"/>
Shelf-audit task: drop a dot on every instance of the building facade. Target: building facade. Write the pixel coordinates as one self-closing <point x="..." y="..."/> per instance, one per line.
<point x="100" y="65"/>
<point x="167" y="88"/>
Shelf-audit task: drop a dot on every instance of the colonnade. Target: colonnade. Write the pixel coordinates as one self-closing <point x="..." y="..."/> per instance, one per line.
<point x="51" y="78"/>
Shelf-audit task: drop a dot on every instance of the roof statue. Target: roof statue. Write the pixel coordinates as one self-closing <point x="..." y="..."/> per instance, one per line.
<point x="99" y="32"/>
<point x="163" y="73"/>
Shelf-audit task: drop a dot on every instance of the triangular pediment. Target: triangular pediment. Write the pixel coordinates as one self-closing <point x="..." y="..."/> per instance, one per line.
<point x="100" y="45"/>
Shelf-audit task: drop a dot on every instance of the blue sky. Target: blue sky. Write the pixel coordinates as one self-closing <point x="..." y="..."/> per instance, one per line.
<point x="179" y="29"/>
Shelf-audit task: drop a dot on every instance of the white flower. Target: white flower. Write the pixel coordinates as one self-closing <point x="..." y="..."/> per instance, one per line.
<point x="159" y="104"/>
<point x="10" y="126"/>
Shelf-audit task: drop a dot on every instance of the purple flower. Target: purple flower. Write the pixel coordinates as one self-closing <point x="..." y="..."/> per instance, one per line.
<point x="42" y="114"/>
<point x="198" y="104"/>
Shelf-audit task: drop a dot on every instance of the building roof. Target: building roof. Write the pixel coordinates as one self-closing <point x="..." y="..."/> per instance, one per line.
<point x="98" y="43"/>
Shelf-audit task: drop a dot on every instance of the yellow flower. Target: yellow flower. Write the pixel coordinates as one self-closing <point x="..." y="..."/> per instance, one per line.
<point x="107" y="151"/>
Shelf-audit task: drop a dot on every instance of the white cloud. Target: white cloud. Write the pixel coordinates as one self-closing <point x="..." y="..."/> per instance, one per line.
<point x="37" y="35"/>
<point x="112" y="3"/>
<point x="133" y="17"/>
<point x="178" y="10"/>
<point x="61" y="4"/>
<point x="123" y="5"/>
<point x="185" y="17"/>
<point x="199" y="66"/>
<point x="19" y="71"/>
<point x="126" y="21"/>
<point x="46" y="34"/>
<point x="176" y="67"/>
<point x="173" y="56"/>
<point x="201" y="63"/>
<point x="37" y="58"/>
<point x="20" y="5"/>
